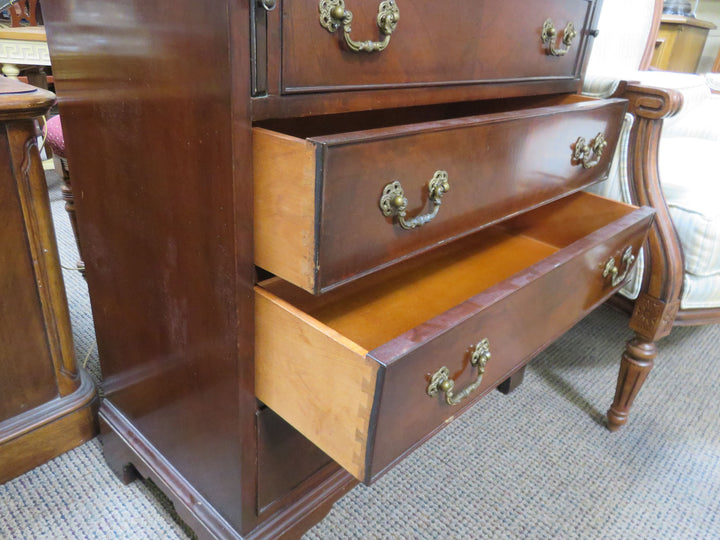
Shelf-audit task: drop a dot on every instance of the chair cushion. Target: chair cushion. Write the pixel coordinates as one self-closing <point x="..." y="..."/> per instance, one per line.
<point x="692" y="190"/>
<point x="55" y="139"/>
<point x="700" y="292"/>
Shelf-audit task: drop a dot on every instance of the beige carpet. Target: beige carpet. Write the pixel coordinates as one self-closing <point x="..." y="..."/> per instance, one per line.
<point x="535" y="464"/>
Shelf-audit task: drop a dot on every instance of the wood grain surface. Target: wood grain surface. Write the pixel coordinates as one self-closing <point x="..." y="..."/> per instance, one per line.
<point x="499" y="164"/>
<point x="434" y="43"/>
<point x="501" y="284"/>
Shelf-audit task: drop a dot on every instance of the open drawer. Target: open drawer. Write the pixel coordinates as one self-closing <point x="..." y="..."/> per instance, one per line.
<point x="332" y="205"/>
<point x="353" y="369"/>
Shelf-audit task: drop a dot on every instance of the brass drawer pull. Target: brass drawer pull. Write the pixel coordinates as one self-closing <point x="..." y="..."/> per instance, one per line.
<point x="333" y="14"/>
<point x="548" y="37"/>
<point x="269" y="5"/>
<point x="611" y="270"/>
<point x="394" y="203"/>
<point x="441" y="380"/>
<point x="590" y="154"/>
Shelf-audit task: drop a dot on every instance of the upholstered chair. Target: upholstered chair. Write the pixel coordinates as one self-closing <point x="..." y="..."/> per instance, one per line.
<point x="56" y="141"/>
<point x="669" y="158"/>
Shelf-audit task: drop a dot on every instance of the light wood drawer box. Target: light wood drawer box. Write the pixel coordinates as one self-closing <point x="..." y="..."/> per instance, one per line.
<point x="433" y="43"/>
<point x="318" y="220"/>
<point x="350" y="369"/>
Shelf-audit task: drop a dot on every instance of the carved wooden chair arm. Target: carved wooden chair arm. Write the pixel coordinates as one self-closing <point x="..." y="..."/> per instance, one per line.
<point x="663" y="276"/>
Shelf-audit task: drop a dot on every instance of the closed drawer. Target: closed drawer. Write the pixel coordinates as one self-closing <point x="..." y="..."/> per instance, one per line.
<point x="350" y="369"/>
<point x="319" y="217"/>
<point x="433" y="43"/>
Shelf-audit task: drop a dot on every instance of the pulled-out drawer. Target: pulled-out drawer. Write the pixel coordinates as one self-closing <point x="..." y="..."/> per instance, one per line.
<point x="405" y="43"/>
<point x="353" y="369"/>
<point x="333" y="207"/>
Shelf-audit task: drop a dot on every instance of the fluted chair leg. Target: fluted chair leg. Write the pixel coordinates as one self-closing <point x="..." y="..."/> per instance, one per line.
<point x="636" y="363"/>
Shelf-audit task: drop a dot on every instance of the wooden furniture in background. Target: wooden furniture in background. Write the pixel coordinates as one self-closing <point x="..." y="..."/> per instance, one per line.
<point x="215" y="381"/>
<point x="22" y="47"/>
<point x="25" y="13"/>
<point x="56" y="141"/>
<point x="680" y="43"/>
<point x="47" y="404"/>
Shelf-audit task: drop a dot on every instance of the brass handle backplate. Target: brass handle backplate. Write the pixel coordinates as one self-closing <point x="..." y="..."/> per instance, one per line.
<point x="441" y="381"/>
<point x="590" y="154"/>
<point x="333" y="15"/>
<point x="268" y="5"/>
<point x="549" y="34"/>
<point x="394" y="203"/>
<point x="611" y="270"/>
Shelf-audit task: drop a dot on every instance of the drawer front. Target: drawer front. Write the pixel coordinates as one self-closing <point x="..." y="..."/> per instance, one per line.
<point x="367" y="409"/>
<point x="321" y="200"/>
<point x="496" y="167"/>
<point x="433" y="43"/>
<point x="539" y="306"/>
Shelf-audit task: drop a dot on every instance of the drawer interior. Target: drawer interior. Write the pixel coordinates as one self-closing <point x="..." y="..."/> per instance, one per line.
<point x="378" y="308"/>
<point x="342" y="366"/>
<point x="318" y="126"/>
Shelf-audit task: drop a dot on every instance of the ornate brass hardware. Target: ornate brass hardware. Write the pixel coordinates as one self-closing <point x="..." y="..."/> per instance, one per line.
<point x="611" y="270"/>
<point x="441" y="380"/>
<point x="269" y="5"/>
<point x="549" y="33"/>
<point x="394" y="203"/>
<point x="584" y="152"/>
<point x="333" y="14"/>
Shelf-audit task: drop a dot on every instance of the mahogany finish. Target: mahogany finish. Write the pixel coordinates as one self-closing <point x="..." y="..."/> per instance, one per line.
<point x="406" y="333"/>
<point x="498" y="165"/>
<point x="163" y="167"/>
<point x="47" y="403"/>
<point x="438" y="53"/>
<point x="435" y="43"/>
<point x="278" y="472"/>
<point x="168" y="265"/>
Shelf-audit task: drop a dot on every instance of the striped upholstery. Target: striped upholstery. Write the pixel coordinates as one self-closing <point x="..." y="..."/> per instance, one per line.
<point x="691" y="184"/>
<point x="616" y="51"/>
<point x="689" y="152"/>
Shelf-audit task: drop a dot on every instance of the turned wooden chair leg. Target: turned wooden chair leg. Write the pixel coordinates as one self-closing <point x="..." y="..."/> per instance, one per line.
<point x="637" y="361"/>
<point x="55" y="140"/>
<point x="67" y="194"/>
<point x="652" y="319"/>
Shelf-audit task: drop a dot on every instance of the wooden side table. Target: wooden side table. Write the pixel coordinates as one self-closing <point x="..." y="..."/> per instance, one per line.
<point x="47" y="404"/>
<point x="680" y="43"/>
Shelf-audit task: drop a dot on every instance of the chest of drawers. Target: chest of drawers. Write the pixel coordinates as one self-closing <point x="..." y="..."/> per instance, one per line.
<point x="316" y="231"/>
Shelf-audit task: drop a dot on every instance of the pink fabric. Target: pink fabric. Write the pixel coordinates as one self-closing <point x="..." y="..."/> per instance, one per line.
<point x="55" y="139"/>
